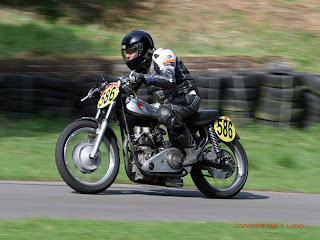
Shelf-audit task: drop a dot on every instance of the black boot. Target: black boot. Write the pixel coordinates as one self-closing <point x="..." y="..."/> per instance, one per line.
<point x="192" y="154"/>
<point x="191" y="148"/>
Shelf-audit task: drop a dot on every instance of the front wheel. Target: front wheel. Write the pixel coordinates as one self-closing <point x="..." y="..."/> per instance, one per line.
<point x="80" y="172"/>
<point x="224" y="182"/>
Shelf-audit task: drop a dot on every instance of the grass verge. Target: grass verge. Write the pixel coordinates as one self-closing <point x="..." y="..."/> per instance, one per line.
<point x="51" y="228"/>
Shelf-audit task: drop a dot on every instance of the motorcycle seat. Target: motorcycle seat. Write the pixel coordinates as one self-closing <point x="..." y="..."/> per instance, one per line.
<point x="202" y="117"/>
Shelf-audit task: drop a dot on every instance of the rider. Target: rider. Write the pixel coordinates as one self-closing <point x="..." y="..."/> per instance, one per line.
<point x="172" y="83"/>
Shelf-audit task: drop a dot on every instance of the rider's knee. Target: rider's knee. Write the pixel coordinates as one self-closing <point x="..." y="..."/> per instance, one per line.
<point x="170" y="119"/>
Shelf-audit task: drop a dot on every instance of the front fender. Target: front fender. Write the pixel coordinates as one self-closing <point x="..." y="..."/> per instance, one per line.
<point x="98" y="121"/>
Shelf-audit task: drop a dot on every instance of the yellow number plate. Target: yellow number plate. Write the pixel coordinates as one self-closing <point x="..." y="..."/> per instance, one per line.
<point x="108" y="95"/>
<point x="224" y="129"/>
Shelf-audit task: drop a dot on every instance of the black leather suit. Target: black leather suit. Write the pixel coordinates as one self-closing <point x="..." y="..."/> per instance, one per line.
<point x="176" y="91"/>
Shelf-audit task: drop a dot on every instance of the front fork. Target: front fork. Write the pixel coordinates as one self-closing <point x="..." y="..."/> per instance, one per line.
<point x="101" y="130"/>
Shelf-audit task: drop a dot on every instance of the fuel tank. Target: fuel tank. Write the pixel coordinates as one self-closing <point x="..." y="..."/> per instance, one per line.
<point x="139" y="108"/>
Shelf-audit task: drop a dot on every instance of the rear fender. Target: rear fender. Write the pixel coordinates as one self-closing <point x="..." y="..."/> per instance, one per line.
<point x="237" y="136"/>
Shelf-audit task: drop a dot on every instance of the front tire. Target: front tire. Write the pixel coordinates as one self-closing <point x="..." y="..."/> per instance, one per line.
<point x="223" y="188"/>
<point x="73" y="162"/>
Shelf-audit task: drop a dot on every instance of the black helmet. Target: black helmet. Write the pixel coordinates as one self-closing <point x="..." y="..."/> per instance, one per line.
<point x="140" y="43"/>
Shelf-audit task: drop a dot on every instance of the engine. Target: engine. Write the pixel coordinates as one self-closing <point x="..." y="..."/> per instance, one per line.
<point x="148" y="137"/>
<point x="154" y="154"/>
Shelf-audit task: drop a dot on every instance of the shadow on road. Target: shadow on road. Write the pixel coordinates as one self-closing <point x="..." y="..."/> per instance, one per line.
<point x="248" y="196"/>
<point x="172" y="192"/>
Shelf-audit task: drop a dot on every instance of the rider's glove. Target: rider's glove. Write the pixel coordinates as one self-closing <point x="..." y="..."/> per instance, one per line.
<point x="135" y="77"/>
<point x="149" y="79"/>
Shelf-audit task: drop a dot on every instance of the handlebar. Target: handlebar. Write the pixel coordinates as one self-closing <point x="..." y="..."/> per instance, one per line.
<point x="120" y="81"/>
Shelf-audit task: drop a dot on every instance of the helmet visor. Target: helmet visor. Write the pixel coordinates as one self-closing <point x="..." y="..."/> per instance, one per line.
<point x="129" y="53"/>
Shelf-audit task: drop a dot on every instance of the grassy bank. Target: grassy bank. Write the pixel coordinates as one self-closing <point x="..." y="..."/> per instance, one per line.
<point x="87" y="229"/>
<point x="279" y="159"/>
<point x="254" y="28"/>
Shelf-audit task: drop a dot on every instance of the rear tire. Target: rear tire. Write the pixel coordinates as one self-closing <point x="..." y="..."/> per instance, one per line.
<point x="223" y="188"/>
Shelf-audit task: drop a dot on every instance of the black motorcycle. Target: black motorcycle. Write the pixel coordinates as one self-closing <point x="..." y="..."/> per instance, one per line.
<point x="87" y="151"/>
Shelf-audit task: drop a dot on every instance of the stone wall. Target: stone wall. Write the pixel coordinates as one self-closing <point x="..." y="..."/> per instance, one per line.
<point x="76" y="69"/>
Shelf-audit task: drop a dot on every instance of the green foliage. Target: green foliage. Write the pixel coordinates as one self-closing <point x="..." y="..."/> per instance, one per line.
<point x="80" y="12"/>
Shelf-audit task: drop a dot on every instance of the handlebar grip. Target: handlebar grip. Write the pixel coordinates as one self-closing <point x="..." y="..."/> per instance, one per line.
<point x="85" y="98"/>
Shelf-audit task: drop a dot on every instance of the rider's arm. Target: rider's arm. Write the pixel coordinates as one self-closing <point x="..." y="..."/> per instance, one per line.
<point x="164" y="64"/>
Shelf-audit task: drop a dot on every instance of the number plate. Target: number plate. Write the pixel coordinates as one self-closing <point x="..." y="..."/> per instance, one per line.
<point x="224" y="129"/>
<point x="108" y="95"/>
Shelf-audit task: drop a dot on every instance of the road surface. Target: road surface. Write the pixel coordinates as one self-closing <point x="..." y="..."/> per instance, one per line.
<point x="127" y="202"/>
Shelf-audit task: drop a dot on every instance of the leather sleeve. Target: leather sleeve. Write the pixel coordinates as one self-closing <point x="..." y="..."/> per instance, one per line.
<point x="164" y="63"/>
<point x="166" y="79"/>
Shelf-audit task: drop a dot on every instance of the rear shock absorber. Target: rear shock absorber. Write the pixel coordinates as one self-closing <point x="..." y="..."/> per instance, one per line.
<point x="214" y="141"/>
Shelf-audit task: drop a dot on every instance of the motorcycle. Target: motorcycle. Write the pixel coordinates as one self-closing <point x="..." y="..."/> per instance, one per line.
<point x="88" y="150"/>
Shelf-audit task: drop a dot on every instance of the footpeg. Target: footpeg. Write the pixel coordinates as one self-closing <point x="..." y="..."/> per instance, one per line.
<point x="173" y="182"/>
<point x="188" y="169"/>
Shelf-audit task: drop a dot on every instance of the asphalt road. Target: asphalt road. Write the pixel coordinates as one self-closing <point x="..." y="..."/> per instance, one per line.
<point x="143" y="203"/>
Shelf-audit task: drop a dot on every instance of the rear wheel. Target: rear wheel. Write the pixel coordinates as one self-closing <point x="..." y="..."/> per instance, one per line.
<point x="81" y="173"/>
<point x="224" y="182"/>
